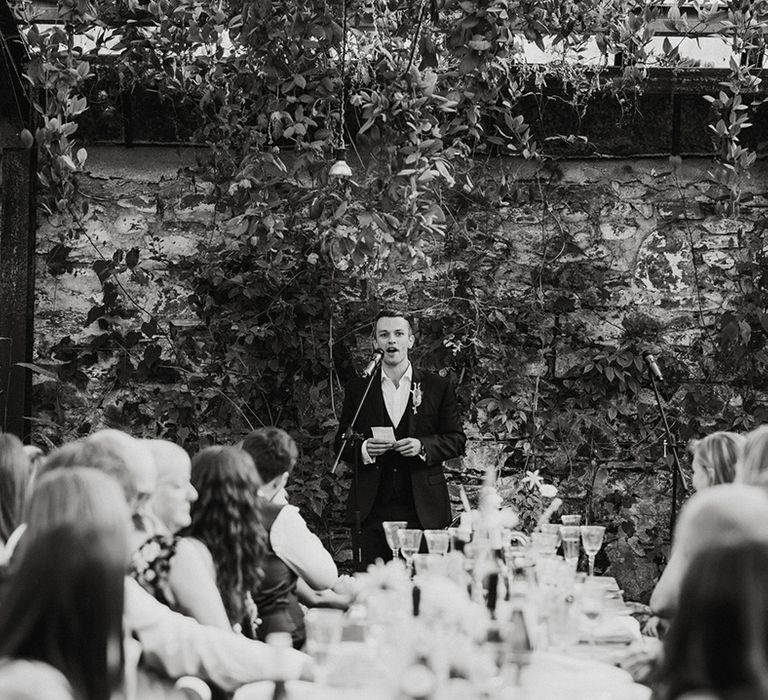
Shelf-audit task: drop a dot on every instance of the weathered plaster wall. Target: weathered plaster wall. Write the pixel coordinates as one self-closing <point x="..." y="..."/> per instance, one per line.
<point x="625" y="216"/>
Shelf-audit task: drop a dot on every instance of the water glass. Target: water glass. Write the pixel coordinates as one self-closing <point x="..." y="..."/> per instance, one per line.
<point x="455" y="543"/>
<point x="552" y="529"/>
<point x="570" y="535"/>
<point x="410" y="542"/>
<point x="544" y="543"/>
<point x="592" y="539"/>
<point x="324" y="628"/>
<point x="390" y="532"/>
<point x="437" y="541"/>
<point x="570" y="519"/>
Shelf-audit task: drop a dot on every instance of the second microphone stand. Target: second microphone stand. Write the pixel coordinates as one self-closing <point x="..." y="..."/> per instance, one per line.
<point x="356" y="440"/>
<point x="669" y="441"/>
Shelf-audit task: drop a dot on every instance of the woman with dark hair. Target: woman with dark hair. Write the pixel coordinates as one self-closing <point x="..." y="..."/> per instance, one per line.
<point x="226" y="526"/>
<point x="717" y="645"/>
<point x="61" y="613"/>
<point x="15" y="483"/>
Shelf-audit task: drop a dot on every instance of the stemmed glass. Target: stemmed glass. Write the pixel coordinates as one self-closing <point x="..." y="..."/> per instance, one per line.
<point x="592" y="539"/>
<point x="391" y="528"/>
<point x="410" y="541"/>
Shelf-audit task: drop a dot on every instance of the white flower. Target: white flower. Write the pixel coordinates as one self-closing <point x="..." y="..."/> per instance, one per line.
<point x="532" y="479"/>
<point x="417" y="395"/>
<point x="445" y="602"/>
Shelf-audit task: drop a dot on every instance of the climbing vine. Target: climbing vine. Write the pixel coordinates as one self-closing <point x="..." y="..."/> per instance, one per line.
<point x="297" y="262"/>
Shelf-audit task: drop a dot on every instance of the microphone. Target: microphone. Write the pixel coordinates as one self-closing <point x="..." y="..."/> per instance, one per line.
<point x="652" y="366"/>
<point x="378" y="353"/>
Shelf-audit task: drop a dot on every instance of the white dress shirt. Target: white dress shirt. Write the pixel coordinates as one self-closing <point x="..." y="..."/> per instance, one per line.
<point x="396" y="397"/>
<point x="395" y="401"/>
<point x="301" y="550"/>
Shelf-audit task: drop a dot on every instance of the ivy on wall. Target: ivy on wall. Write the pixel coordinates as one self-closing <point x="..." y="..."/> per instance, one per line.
<point x="298" y="262"/>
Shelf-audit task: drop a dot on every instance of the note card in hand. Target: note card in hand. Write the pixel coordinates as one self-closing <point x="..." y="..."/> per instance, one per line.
<point x="383" y="432"/>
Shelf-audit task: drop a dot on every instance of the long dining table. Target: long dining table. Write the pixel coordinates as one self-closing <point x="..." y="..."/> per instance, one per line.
<point x="378" y="664"/>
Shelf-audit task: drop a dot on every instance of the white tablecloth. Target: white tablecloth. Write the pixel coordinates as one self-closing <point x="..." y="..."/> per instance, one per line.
<point x="550" y="676"/>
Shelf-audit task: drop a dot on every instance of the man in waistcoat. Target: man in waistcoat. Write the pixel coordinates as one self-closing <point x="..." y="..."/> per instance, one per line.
<point x="409" y="424"/>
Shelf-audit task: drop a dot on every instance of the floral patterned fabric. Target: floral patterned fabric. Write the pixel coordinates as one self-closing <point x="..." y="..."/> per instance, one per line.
<point x="151" y="565"/>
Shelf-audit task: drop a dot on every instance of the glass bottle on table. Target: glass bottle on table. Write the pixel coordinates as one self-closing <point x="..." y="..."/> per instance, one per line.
<point x="280" y="642"/>
<point x="519" y="635"/>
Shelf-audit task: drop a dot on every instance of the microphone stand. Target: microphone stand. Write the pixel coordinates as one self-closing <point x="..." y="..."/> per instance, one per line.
<point x="356" y="439"/>
<point x="677" y="471"/>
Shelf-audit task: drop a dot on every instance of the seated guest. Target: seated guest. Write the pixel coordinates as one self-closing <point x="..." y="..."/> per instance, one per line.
<point x="15" y="486"/>
<point x="293" y="552"/>
<point x="715" y="457"/>
<point x="752" y="468"/>
<point x="226" y="527"/>
<point x="165" y="564"/>
<point x="717" y="645"/>
<point x="135" y="455"/>
<point x="61" y="614"/>
<point x="172" y="643"/>
<point x="714" y="462"/>
<point x="720" y="515"/>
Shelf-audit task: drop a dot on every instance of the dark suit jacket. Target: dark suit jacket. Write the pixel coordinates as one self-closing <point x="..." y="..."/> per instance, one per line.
<point x="436" y="423"/>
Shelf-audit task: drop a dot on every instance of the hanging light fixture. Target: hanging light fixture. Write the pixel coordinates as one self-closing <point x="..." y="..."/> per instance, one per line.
<point x="340" y="167"/>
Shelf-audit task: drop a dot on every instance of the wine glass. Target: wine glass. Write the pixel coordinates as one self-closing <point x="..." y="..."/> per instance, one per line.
<point x="570" y="537"/>
<point x="437" y="541"/>
<point x="592" y="539"/>
<point x="324" y="628"/>
<point x="410" y="541"/>
<point x="591" y="603"/>
<point x="390" y="532"/>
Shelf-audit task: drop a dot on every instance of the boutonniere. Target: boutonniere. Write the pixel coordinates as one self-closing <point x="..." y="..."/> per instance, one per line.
<point x="416" y="395"/>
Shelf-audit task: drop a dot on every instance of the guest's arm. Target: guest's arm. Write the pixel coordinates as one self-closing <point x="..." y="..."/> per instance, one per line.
<point x="192" y="578"/>
<point x="179" y="646"/>
<point x="302" y="550"/>
<point x="339" y="597"/>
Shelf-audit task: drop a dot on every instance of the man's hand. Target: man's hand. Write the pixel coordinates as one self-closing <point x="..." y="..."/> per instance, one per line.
<point x="408" y="447"/>
<point x="376" y="447"/>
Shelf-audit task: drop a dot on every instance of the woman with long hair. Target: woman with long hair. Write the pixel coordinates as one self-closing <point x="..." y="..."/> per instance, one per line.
<point x="15" y="485"/>
<point x="717" y="645"/>
<point x="226" y="524"/>
<point x="61" y="613"/>
<point x="714" y="458"/>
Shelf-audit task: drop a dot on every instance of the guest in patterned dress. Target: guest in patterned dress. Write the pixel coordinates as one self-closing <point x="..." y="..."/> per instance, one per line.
<point x="169" y="566"/>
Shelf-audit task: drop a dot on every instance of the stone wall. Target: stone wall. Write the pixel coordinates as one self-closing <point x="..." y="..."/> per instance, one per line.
<point x="642" y="226"/>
